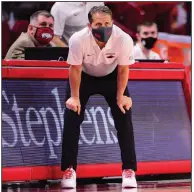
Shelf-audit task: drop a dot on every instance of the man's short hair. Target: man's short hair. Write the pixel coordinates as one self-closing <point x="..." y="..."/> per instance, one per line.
<point x="34" y="17"/>
<point x="147" y="24"/>
<point x="98" y="9"/>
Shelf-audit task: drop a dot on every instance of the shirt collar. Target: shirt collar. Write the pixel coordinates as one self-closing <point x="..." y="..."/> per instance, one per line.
<point x="140" y="49"/>
<point x="138" y="46"/>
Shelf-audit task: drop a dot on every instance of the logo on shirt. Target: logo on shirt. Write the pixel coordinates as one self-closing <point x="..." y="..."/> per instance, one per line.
<point x="76" y="13"/>
<point x="110" y="55"/>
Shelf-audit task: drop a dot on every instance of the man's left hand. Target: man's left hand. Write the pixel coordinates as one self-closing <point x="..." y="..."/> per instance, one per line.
<point x="124" y="102"/>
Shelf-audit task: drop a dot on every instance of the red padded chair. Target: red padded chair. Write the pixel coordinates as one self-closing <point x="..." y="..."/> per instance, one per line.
<point x="19" y="27"/>
<point x="6" y="37"/>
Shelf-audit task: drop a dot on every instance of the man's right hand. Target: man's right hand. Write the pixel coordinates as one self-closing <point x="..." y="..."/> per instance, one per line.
<point x="73" y="103"/>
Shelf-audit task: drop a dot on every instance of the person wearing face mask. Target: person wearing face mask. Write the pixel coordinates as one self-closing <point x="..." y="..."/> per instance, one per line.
<point x="39" y="33"/>
<point x="147" y="34"/>
<point x="99" y="59"/>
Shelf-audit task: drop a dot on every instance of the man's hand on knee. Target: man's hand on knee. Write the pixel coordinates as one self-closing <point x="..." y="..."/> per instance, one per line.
<point x="73" y="103"/>
<point x="124" y="102"/>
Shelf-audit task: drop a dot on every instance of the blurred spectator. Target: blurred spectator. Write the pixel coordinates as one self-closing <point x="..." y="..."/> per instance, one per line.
<point x="39" y="33"/>
<point x="70" y="17"/>
<point x="5" y="16"/>
<point x="8" y="13"/>
<point x="147" y="34"/>
<point x="178" y="19"/>
<point x="6" y="32"/>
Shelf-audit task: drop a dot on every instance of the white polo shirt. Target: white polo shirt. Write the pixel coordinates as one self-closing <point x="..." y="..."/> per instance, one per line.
<point x="71" y="17"/>
<point x="84" y="50"/>
<point x="140" y="55"/>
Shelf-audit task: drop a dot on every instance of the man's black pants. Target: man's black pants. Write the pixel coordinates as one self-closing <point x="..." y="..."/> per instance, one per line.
<point x="107" y="87"/>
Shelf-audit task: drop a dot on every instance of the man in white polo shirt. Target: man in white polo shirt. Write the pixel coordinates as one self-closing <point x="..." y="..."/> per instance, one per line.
<point x="70" y="17"/>
<point x="99" y="57"/>
<point x="147" y="34"/>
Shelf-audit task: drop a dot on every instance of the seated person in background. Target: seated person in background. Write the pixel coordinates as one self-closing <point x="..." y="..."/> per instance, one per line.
<point x="70" y="17"/>
<point x="39" y="33"/>
<point x="147" y="34"/>
<point x="178" y="19"/>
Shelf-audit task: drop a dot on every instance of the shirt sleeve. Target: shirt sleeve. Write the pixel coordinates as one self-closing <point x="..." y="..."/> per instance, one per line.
<point x="126" y="54"/>
<point x="60" y="18"/>
<point x="75" y="55"/>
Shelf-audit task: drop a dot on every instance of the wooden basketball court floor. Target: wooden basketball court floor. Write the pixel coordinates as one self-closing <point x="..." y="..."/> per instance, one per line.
<point x="182" y="185"/>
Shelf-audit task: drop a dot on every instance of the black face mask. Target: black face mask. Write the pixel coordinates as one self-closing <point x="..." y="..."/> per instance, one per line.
<point x="102" y="34"/>
<point x="149" y="42"/>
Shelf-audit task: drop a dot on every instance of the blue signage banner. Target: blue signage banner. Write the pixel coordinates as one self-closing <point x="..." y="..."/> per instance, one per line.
<point x="32" y="123"/>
